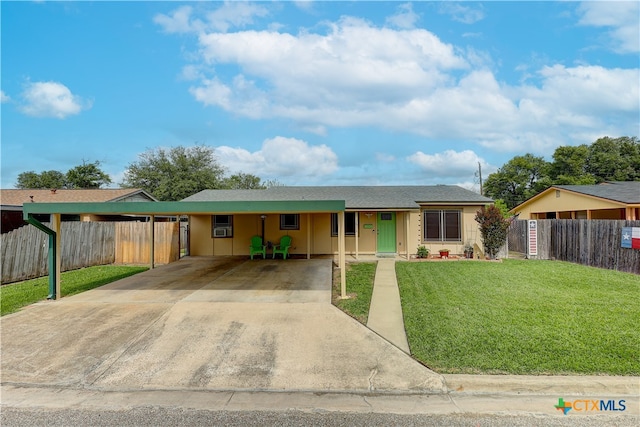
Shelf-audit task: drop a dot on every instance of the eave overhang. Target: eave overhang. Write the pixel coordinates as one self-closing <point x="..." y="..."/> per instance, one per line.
<point x="185" y="208"/>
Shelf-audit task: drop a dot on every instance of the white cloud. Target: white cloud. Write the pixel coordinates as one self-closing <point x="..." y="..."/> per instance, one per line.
<point x="405" y="18"/>
<point x="591" y="89"/>
<point x="450" y="163"/>
<point x="385" y="157"/>
<point x="51" y="99"/>
<point x="179" y="21"/>
<point x="235" y="14"/>
<point x="338" y="79"/>
<point x="620" y="16"/>
<point x="230" y="15"/>
<point x="280" y="157"/>
<point x="465" y="14"/>
<point x="306" y="5"/>
<point x="4" y="97"/>
<point x="356" y="74"/>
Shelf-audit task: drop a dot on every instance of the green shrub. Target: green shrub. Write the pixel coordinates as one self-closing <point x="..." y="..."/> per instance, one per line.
<point x="493" y="229"/>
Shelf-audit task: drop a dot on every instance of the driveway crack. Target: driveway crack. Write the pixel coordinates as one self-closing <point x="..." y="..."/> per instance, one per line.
<point x="130" y="344"/>
<point x="372" y="376"/>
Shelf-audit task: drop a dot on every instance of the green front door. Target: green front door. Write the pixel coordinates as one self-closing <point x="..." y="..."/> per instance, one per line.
<point x="386" y="232"/>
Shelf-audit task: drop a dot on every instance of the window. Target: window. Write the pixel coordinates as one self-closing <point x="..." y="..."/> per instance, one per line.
<point x="349" y="224"/>
<point x="443" y="225"/>
<point x="222" y="226"/>
<point x="290" y="222"/>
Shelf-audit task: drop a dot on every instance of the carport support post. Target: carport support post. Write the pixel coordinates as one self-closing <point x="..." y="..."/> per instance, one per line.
<point x="407" y="223"/>
<point x="152" y="239"/>
<point x="308" y="236"/>
<point x="56" y="224"/>
<point x="341" y="255"/>
<point x="357" y="227"/>
<point x="51" y="257"/>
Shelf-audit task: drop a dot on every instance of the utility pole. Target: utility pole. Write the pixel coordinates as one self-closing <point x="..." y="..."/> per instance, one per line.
<point x="480" y="177"/>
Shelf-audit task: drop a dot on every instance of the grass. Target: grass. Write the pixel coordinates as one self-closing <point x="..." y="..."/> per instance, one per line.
<point x="17" y="295"/>
<point x="521" y="317"/>
<point x="360" y="286"/>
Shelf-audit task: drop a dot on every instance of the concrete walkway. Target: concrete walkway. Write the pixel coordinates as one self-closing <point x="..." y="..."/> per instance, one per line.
<point x="385" y="313"/>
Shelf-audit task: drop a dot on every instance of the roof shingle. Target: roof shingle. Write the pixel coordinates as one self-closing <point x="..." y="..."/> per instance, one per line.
<point x="355" y="197"/>
<point x="11" y="197"/>
<point x="619" y="191"/>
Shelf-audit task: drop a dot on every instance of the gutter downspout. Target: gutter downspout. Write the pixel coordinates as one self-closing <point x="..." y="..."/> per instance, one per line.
<point x="52" y="253"/>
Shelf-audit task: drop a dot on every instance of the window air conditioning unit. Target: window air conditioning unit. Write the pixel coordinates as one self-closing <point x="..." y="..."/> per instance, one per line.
<point x="220" y="232"/>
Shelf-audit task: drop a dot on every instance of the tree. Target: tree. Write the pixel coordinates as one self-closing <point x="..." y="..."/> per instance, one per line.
<point x="242" y="181"/>
<point x="270" y="183"/>
<point x="518" y="179"/>
<point x="87" y="175"/>
<point x="44" y="180"/>
<point x="175" y="173"/>
<point x="616" y="159"/>
<point x="493" y="229"/>
<point x="606" y="159"/>
<point x="502" y="206"/>
<point x="569" y="166"/>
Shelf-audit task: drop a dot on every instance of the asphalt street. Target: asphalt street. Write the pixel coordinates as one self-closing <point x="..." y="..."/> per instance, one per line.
<point x="154" y="416"/>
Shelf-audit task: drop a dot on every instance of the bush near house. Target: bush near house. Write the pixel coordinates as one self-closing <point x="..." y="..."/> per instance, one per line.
<point x="493" y="229"/>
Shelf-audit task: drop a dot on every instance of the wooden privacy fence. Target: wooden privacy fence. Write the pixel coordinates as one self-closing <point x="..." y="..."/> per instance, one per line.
<point x="595" y="243"/>
<point x="23" y="252"/>
<point x="132" y="242"/>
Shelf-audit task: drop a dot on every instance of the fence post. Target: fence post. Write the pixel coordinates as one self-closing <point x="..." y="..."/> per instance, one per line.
<point x="152" y="238"/>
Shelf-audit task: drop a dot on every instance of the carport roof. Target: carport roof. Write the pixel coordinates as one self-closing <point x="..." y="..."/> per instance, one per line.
<point x="185" y="208"/>
<point x="355" y="197"/>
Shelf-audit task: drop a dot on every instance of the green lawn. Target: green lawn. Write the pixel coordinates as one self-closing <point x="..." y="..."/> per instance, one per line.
<point x="521" y="317"/>
<point x="359" y="288"/>
<point x="17" y="295"/>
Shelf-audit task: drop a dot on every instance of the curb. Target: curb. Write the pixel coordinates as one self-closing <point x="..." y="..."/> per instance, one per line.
<point x="543" y="385"/>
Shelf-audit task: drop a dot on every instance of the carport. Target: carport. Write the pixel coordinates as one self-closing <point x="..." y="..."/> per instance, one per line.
<point x="153" y="209"/>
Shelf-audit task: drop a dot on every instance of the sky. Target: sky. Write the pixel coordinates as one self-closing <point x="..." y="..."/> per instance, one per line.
<point x="315" y="92"/>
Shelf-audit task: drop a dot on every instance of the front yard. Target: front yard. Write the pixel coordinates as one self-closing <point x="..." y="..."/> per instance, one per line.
<point x="512" y="317"/>
<point x="521" y="317"/>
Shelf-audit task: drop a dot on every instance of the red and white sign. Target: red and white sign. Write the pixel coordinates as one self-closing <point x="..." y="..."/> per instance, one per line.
<point x="533" y="237"/>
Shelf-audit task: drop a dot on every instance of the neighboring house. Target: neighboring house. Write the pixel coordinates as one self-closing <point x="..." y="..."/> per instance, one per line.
<point x="609" y="200"/>
<point x="12" y="202"/>
<point x="378" y="220"/>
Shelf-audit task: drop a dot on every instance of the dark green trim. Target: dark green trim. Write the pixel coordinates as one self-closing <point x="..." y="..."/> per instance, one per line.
<point x="185" y="208"/>
<point x="52" y="254"/>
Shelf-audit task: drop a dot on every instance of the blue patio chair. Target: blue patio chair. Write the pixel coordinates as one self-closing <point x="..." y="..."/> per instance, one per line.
<point x="282" y="247"/>
<point x="257" y="247"/>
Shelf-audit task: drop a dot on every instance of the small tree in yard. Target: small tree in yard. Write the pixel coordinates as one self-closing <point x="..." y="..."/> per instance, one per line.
<point x="493" y="229"/>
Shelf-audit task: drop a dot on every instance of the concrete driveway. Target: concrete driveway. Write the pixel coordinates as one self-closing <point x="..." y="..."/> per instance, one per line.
<point x="201" y="323"/>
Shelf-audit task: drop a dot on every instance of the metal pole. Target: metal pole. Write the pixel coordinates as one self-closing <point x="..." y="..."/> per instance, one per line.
<point x="57" y="227"/>
<point x="341" y="255"/>
<point x="51" y="254"/>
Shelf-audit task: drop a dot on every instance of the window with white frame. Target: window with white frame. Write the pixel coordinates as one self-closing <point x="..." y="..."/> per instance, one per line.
<point x="290" y="222"/>
<point x="222" y="226"/>
<point x="442" y="225"/>
<point x="349" y="224"/>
